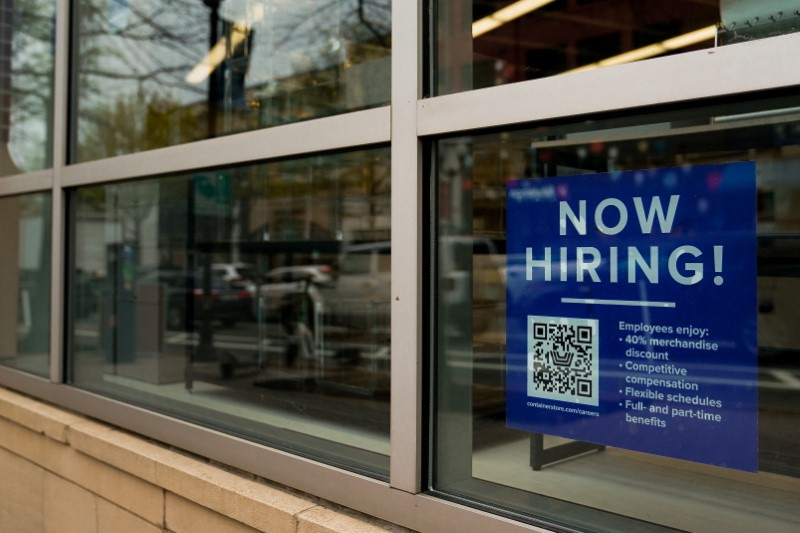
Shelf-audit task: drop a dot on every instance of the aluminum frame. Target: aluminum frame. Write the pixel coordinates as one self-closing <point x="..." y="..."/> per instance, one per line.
<point x="405" y="468"/>
<point x="356" y="129"/>
<point x="58" y="221"/>
<point x="39" y="181"/>
<point x="678" y="78"/>
<point x="404" y="123"/>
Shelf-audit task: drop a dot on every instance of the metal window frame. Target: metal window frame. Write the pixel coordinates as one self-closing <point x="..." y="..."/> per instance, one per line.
<point x="733" y="69"/>
<point x="359" y="128"/>
<point x="405" y="123"/>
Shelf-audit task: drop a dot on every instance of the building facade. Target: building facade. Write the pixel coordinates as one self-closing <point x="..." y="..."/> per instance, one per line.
<point x="450" y="264"/>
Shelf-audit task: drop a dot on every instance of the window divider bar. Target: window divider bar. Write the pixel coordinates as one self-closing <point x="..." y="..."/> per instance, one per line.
<point x="28" y="182"/>
<point x="357" y="129"/>
<point x="406" y="376"/>
<point x="692" y="75"/>
<point x="57" y="263"/>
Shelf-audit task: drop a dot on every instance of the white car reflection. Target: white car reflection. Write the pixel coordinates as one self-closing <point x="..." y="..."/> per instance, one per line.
<point x="285" y="283"/>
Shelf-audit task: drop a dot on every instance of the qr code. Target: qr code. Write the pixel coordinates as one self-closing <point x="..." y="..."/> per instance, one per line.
<point x="562" y="359"/>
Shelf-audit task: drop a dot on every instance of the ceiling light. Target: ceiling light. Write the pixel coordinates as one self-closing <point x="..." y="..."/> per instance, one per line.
<point x="507" y="14"/>
<point x="217" y="54"/>
<point x="681" y="41"/>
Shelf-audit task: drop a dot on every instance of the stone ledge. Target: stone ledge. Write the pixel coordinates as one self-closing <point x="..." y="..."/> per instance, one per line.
<point x="247" y="501"/>
<point x="323" y="520"/>
<point x="182" y="515"/>
<point x="252" y="503"/>
<point x="117" y="448"/>
<point x="106" y="455"/>
<point x="125" y="490"/>
<point x="36" y="416"/>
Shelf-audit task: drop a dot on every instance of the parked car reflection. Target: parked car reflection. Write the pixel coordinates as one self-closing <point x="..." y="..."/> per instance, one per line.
<point x="243" y="273"/>
<point x="284" y="284"/>
<point x="184" y="298"/>
<point x="330" y="325"/>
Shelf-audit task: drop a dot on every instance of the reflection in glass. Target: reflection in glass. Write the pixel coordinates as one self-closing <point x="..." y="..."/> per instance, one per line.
<point x="26" y="84"/>
<point x="151" y="74"/>
<point x="500" y="466"/>
<point x="482" y="43"/>
<point x="253" y="299"/>
<point x="25" y="283"/>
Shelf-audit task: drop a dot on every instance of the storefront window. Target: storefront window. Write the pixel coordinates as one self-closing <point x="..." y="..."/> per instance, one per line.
<point x="616" y="308"/>
<point x="25" y="283"/>
<point x="153" y="74"/>
<point x="482" y="43"/>
<point x="253" y="299"/>
<point x="26" y="84"/>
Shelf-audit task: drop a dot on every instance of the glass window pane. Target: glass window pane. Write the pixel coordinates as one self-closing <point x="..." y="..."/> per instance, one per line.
<point x="227" y="297"/>
<point x="594" y="484"/>
<point x="151" y="74"/>
<point x="482" y="43"/>
<point x="25" y="283"/>
<point x="26" y="84"/>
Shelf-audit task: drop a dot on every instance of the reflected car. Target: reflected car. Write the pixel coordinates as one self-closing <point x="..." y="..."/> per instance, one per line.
<point x="354" y="295"/>
<point x="229" y="302"/>
<point x="360" y="296"/>
<point x="332" y="319"/>
<point x="242" y="273"/>
<point x="284" y="283"/>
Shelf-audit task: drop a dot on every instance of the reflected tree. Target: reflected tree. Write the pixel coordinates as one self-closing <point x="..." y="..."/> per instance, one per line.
<point x="26" y="84"/>
<point x="159" y="71"/>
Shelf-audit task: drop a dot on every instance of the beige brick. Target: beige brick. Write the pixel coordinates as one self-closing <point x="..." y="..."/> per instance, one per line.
<point x="111" y="518"/>
<point x="119" y="449"/>
<point x="139" y="497"/>
<point x="183" y="515"/>
<point x="68" y="508"/>
<point x="252" y="503"/>
<point x="35" y="447"/>
<point x="246" y="501"/>
<point x="36" y="416"/>
<point x="117" y="481"/>
<point x="323" y="520"/>
<point x="21" y="494"/>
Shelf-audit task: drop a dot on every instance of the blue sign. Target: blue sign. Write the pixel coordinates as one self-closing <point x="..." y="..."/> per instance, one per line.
<point x="631" y="311"/>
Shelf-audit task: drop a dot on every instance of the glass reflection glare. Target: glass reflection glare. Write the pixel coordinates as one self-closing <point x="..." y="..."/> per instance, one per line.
<point x="26" y="85"/>
<point x="154" y="74"/>
<point x="483" y="43"/>
<point x="253" y="299"/>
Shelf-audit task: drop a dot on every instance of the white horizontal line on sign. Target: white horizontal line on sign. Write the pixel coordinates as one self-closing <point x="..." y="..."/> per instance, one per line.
<point x="631" y="303"/>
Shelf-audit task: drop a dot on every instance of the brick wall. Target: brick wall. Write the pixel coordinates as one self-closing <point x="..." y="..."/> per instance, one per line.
<point x="64" y="473"/>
